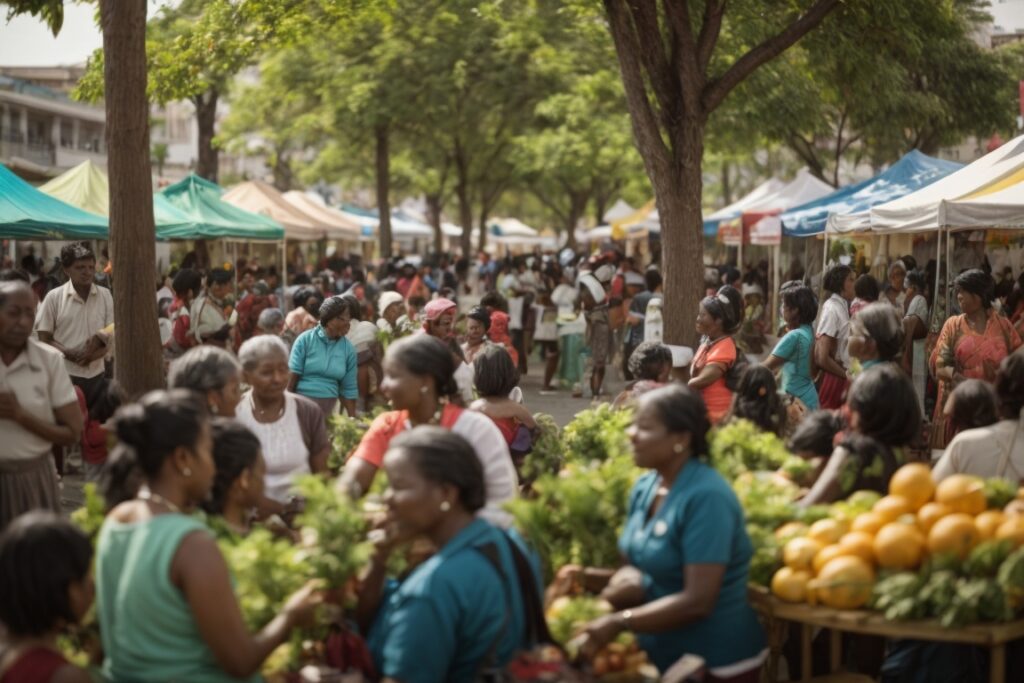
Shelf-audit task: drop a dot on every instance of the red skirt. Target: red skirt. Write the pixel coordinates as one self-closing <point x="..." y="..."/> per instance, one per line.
<point x="832" y="391"/>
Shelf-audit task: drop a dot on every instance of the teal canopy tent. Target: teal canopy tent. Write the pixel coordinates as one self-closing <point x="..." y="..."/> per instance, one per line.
<point x="28" y="214"/>
<point x="213" y="218"/>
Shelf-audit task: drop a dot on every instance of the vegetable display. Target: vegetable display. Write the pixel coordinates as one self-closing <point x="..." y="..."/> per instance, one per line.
<point x="597" y="434"/>
<point x="926" y="550"/>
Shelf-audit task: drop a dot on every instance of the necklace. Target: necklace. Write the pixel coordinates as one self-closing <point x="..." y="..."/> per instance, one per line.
<point x="147" y="495"/>
<point x="262" y="412"/>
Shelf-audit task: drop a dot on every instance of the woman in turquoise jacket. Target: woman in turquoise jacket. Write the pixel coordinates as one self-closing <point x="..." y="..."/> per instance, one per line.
<point x="684" y="588"/>
<point x="456" y="615"/>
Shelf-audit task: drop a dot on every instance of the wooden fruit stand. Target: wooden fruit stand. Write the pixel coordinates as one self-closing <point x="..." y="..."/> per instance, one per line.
<point x="778" y="614"/>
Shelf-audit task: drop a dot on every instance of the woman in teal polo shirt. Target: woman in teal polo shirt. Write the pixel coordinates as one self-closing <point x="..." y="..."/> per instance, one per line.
<point x="684" y="590"/>
<point x="324" y="364"/>
<point x="455" y="615"/>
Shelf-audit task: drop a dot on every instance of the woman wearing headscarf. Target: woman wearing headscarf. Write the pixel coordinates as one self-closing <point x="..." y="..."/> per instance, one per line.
<point x="498" y="334"/>
<point x="210" y="318"/>
<point x="393" y="319"/>
<point x="324" y="363"/>
<point x="970" y="345"/>
<point x="439" y="318"/>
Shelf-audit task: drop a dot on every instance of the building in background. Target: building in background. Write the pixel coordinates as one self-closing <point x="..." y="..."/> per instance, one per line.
<point x="43" y="132"/>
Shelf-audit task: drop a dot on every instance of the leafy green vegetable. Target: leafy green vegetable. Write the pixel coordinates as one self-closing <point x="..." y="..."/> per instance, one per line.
<point x="567" y="615"/>
<point x="938" y="591"/>
<point x="545" y="456"/>
<point x="898" y="597"/>
<point x="345" y="434"/>
<point x="767" y="558"/>
<point x="1011" y="578"/>
<point x="975" y="600"/>
<point x="266" y="570"/>
<point x="740" y="446"/>
<point x="90" y="516"/>
<point x="999" y="492"/>
<point x="333" y="532"/>
<point x="985" y="559"/>
<point x="597" y="434"/>
<point x="576" y="515"/>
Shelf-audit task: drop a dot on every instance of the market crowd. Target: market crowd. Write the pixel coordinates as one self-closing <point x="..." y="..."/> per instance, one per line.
<point x="867" y="377"/>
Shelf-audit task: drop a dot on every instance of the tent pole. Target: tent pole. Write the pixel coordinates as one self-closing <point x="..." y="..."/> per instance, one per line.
<point x="776" y="277"/>
<point x="824" y="263"/>
<point x="949" y="267"/>
<point x="938" y="273"/>
<point x="284" y="269"/>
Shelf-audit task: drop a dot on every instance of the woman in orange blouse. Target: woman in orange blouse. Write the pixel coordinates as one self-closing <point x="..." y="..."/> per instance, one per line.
<point x="716" y="354"/>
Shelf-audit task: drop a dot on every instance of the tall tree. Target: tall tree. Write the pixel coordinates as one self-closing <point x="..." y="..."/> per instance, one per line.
<point x="678" y="65"/>
<point x="137" y="363"/>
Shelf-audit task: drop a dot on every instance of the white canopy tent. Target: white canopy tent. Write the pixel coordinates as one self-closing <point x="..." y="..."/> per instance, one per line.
<point x="1004" y="209"/>
<point x="334" y="222"/>
<point x="919" y="211"/>
<point x="619" y="210"/>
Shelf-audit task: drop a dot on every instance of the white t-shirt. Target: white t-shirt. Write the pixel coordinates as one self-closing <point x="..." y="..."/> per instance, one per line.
<point x="509" y="283"/>
<point x="547" y="323"/>
<point x="39" y="380"/>
<point x="72" y="321"/>
<point x="464" y="379"/>
<point x="284" y="448"/>
<point x="981" y="451"/>
<point x="835" y="322"/>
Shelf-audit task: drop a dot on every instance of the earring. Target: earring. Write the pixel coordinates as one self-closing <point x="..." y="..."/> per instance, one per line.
<point x="186" y="471"/>
<point x="445" y="506"/>
<point x="678" y="448"/>
<point x="423" y="389"/>
<point x="213" y="409"/>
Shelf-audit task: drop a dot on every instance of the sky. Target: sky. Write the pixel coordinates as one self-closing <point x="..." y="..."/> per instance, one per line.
<point x="26" y="41"/>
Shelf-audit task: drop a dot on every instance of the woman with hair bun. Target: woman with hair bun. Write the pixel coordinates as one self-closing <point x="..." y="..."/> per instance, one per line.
<point x="238" y="483"/>
<point x="717" y="318"/>
<point x="419" y="382"/>
<point x="684" y="589"/>
<point x="970" y="345"/>
<point x="166" y="607"/>
<point x="463" y="610"/>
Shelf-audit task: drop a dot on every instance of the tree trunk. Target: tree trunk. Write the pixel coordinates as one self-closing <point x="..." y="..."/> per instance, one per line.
<point x="434" y="207"/>
<point x="577" y="207"/>
<point x="484" y="210"/>
<point x="208" y="162"/>
<point x="465" y="204"/>
<point x="384" y="188"/>
<point x="284" y="176"/>
<point x="682" y="234"/>
<point x="726" y="184"/>
<point x="138" y="365"/>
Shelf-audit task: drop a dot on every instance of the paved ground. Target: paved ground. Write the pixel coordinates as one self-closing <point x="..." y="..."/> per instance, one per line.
<point x="560" y="405"/>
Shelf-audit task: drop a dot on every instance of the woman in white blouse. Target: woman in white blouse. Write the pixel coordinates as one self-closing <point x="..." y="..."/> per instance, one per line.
<point x="830" y="352"/>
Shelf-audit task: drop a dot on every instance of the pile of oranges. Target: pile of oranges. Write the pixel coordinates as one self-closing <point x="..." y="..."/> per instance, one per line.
<point x="835" y="560"/>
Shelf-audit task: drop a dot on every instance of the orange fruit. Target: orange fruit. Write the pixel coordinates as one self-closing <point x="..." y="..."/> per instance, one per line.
<point x="799" y="553"/>
<point x="844" y="583"/>
<point x="987" y="523"/>
<point x="826" y="531"/>
<point x="868" y="522"/>
<point x="963" y="493"/>
<point x="898" y="546"/>
<point x="891" y="507"/>
<point x="859" y="543"/>
<point x="1012" y="529"/>
<point x="953" y="534"/>
<point x="914" y="483"/>
<point x="1014" y="508"/>
<point x="829" y="552"/>
<point x="931" y="513"/>
<point x="791" y="584"/>
<point x="790" y="529"/>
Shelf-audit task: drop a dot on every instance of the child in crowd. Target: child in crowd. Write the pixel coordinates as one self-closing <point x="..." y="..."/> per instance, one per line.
<point x="751" y="338"/>
<point x="496" y="378"/>
<point x="238" y="482"/>
<point x="972" y="404"/>
<point x="757" y="399"/>
<point x="95" y="414"/>
<point x="45" y="586"/>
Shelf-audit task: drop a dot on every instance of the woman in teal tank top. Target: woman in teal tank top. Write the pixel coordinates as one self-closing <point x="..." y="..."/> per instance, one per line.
<point x="794" y="351"/>
<point x="164" y="599"/>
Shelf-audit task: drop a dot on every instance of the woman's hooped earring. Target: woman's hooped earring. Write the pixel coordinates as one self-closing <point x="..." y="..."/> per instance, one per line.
<point x="678" y="448"/>
<point x="445" y="506"/>
<point x="186" y="471"/>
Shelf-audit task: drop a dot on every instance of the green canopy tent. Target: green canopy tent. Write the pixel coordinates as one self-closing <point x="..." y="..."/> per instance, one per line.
<point x="87" y="187"/>
<point x="200" y="201"/>
<point x="28" y="214"/>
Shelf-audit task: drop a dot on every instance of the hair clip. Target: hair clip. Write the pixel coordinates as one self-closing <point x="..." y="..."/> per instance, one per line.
<point x="724" y="299"/>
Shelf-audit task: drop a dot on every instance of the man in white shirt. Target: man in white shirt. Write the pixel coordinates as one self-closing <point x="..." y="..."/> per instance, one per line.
<point x="72" y="318"/>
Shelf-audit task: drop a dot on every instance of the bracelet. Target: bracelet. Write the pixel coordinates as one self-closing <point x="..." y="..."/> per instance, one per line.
<point x="627" y="617"/>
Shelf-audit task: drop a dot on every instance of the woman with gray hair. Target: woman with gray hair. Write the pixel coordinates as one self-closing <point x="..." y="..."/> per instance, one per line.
<point x="324" y="364"/>
<point x="876" y="335"/>
<point x="212" y="372"/>
<point x="290" y="427"/>
<point x="271" y="321"/>
<point x="895" y="293"/>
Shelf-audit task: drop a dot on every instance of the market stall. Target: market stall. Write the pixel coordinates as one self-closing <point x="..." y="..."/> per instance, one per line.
<point x="28" y="214"/>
